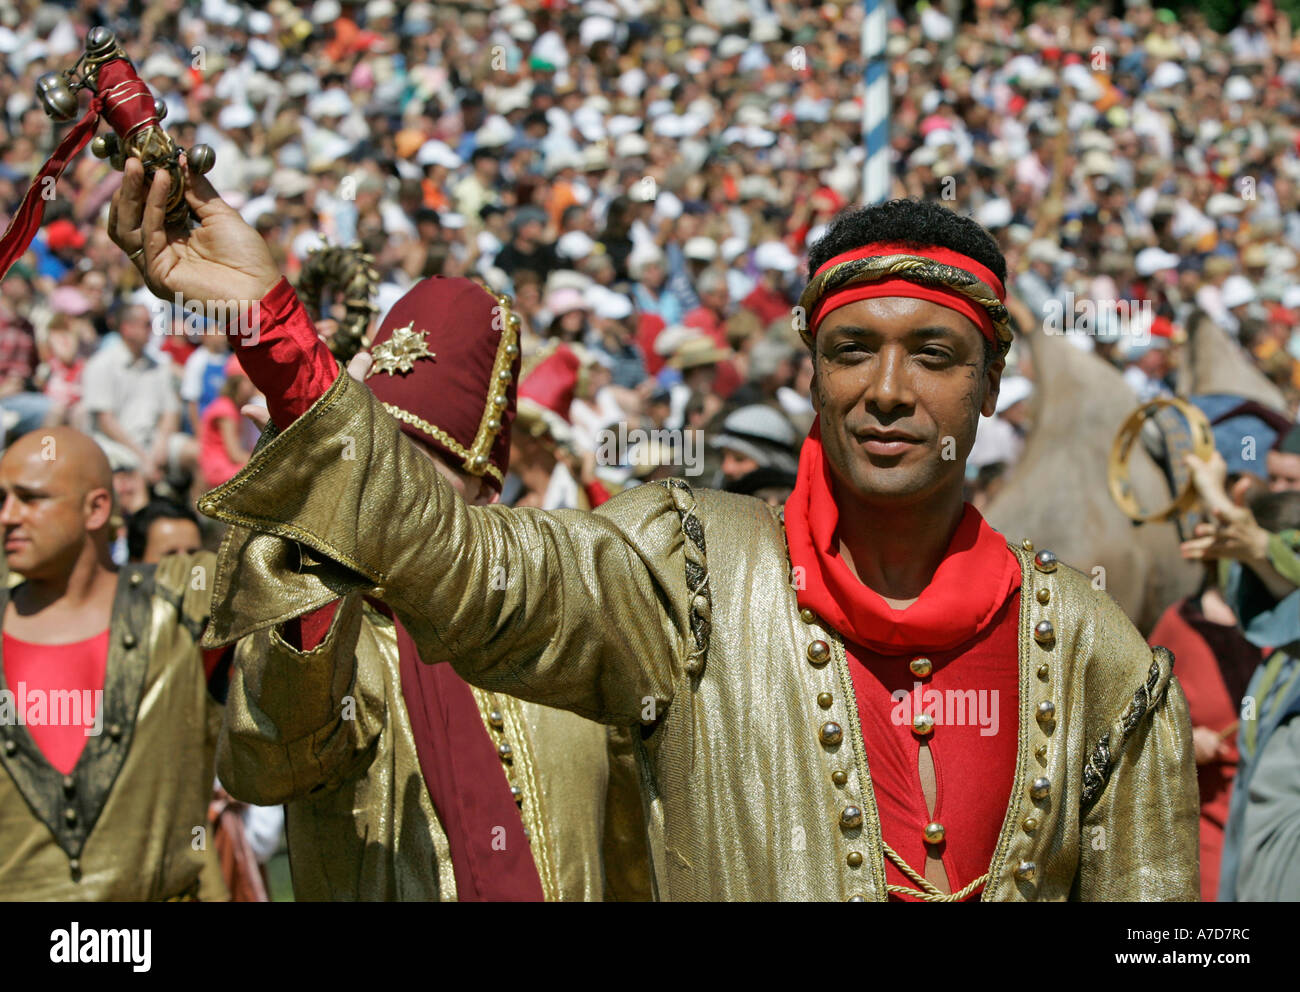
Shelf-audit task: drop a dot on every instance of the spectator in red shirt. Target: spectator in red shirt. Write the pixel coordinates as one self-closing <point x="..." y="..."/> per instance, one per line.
<point x="221" y="448"/>
<point x="769" y="299"/>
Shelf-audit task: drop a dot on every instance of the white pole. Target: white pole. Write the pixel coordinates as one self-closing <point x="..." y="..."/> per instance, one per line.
<point x="876" y="179"/>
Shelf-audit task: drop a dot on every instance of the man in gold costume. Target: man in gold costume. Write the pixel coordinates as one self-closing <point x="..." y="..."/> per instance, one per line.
<point x="392" y="770"/>
<point x="107" y="726"/>
<point x="870" y="696"/>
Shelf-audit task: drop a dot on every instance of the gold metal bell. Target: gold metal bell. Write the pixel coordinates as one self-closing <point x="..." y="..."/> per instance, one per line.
<point x="57" y="96"/>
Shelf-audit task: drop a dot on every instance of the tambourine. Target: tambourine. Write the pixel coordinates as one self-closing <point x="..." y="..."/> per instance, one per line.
<point x="122" y="99"/>
<point x="1117" y="471"/>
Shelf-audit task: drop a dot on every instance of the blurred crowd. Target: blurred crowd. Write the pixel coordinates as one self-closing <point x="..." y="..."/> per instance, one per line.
<point x="644" y="179"/>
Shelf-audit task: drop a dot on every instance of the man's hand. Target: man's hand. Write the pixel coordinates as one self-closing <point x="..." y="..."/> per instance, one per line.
<point x="1234" y="534"/>
<point x="223" y="258"/>
<point x="357" y="368"/>
<point x="1208" y="745"/>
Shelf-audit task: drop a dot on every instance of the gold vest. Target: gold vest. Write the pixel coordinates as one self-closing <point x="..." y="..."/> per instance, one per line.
<point x="130" y="822"/>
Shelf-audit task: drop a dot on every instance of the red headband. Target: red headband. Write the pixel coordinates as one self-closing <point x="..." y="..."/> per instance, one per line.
<point x="901" y="286"/>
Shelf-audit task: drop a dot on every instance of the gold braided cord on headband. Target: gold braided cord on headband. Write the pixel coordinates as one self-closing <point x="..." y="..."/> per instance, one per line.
<point x="915" y="268"/>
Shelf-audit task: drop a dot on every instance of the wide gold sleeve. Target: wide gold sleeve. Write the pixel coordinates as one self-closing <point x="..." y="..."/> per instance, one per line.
<point x="299" y="721"/>
<point x="1140" y="836"/>
<point x="586" y="612"/>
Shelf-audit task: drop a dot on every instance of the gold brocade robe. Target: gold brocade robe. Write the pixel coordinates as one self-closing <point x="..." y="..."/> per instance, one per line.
<point x="674" y="609"/>
<point x="327" y="733"/>
<point x="130" y="823"/>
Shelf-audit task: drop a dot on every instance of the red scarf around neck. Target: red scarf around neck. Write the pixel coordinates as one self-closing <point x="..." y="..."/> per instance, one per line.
<point x="977" y="574"/>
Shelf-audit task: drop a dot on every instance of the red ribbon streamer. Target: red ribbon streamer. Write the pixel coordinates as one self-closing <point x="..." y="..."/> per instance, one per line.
<point x="27" y="220"/>
<point x="127" y="105"/>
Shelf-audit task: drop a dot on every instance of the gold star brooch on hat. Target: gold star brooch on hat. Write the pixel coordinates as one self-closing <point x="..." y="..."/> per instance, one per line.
<point x="400" y="352"/>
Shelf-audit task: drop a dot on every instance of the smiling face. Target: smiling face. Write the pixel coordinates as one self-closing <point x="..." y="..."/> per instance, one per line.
<point x="894" y="378"/>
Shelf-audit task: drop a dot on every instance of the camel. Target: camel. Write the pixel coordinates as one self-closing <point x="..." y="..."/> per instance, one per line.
<point x="1057" y="495"/>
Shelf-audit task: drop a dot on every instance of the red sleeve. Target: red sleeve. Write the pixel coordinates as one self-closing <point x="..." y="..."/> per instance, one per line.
<point x="283" y="356"/>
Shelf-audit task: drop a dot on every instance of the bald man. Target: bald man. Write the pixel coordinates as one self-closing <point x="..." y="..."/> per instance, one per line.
<point x="107" y="725"/>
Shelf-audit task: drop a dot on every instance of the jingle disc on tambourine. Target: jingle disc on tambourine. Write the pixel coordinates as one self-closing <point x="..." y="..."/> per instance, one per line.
<point x="1199" y="438"/>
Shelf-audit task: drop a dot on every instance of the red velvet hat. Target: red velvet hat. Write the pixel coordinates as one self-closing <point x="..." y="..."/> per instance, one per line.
<point x="446" y="366"/>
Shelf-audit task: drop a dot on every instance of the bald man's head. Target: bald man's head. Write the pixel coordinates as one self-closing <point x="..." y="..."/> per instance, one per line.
<point x="56" y="490"/>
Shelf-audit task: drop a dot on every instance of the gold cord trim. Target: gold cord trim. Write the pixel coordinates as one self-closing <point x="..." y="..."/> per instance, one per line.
<point x="476" y="459"/>
<point x="931" y="892"/>
<point x="452" y="445"/>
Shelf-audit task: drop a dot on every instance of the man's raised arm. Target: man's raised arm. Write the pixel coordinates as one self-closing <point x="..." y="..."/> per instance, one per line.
<point x="581" y="611"/>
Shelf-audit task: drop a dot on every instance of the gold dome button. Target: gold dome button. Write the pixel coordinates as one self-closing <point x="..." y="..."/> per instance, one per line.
<point x="495" y="719"/>
<point x="1030" y="824"/>
<point x="128" y="641"/>
<point x="136" y="578"/>
<point x="1041" y="788"/>
<point x="1046" y="711"/>
<point x="934" y="833"/>
<point x="806" y="615"/>
<point x="1045" y="561"/>
<point x="850" y="817"/>
<point x="1040" y="752"/>
<point x="840" y="777"/>
<point x="11" y="747"/>
<point x="819" y="652"/>
<point x="1042" y="671"/>
<point x="824" y="700"/>
<point x="505" y="751"/>
<point x="1027" y="544"/>
<point x="517" y="794"/>
<point x="920" y="667"/>
<point x="1044" y="632"/>
<point x="856" y="899"/>
<point x="855" y="859"/>
<point x="923" y="724"/>
<point x="1044" y="595"/>
<point x="831" y="734"/>
<point x="1026" y="870"/>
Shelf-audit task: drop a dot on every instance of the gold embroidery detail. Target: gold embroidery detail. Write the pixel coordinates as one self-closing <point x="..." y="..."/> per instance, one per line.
<point x="401" y="351"/>
<point x="498" y="385"/>
<point x="452" y="445"/>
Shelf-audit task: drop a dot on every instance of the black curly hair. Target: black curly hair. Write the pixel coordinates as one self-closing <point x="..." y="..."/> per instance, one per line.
<point x="916" y="223"/>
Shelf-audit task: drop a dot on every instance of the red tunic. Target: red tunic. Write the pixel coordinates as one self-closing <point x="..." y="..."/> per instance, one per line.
<point x="34" y="672"/>
<point x="974" y="695"/>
